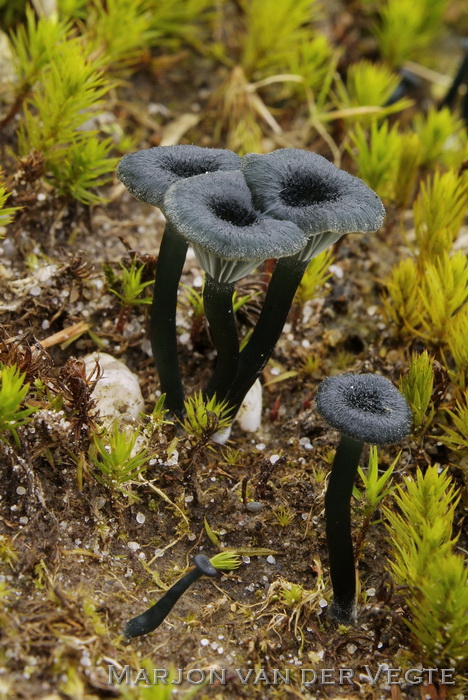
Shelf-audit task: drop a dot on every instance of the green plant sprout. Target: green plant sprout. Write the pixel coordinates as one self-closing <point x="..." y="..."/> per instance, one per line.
<point x="439" y="210"/>
<point x="291" y="594"/>
<point x="456" y="437"/>
<point x="402" y="302"/>
<point x="228" y="560"/>
<point x="432" y="578"/>
<point x="443" y="293"/>
<point x="417" y="387"/>
<point x="159" y="414"/>
<point x="61" y="102"/>
<point x="132" y="286"/>
<point x="118" y="50"/>
<point x="118" y="460"/>
<point x="205" y="417"/>
<point x="376" y="489"/>
<point x="376" y="153"/>
<point x="457" y="333"/>
<point x="407" y="171"/>
<point x="33" y="47"/>
<point x="13" y="391"/>
<point x="8" y="554"/>
<point x="315" y="277"/>
<point x="272" y="28"/>
<point x="375" y="486"/>
<point x="7" y="214"/>
<point x="406" y="29"/>
<point x="284" y="515"/>
<point x="441" y="134"/>
<point x="368" y="85"/>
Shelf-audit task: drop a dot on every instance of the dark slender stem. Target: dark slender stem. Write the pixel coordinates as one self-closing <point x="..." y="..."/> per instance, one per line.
<point x="282" y="288"/>
<point x="217" y="298"/>
<point x="338" y="528"/>
<point x="163" y="333"/>
<point x="154" y="616"/>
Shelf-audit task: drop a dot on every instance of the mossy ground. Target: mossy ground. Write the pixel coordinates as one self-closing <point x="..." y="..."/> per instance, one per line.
<point x="71" y="578"/>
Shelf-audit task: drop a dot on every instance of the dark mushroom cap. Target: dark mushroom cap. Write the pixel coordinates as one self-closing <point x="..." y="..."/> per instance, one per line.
<point x="214" y="212"/>
<point x="149" y="173"/>
<point x="365" y="407"/>
<point x="306" y="188"/>
<point x="204" y="565"/>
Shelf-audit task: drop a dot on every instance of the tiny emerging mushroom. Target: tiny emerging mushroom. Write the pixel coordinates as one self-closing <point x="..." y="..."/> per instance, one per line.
<point x="214" y="212"/>
<point x="148" y="174"/>
<point x="325" y="203"/>
<point x="154" y="616"/>
<point x="365" y="408"/>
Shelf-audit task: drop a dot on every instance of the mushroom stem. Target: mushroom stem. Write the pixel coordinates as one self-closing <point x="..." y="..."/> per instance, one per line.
<point x="338" y="529"/>
<point x="282" y="288"/>
<point x="154" y="616"/>
<point x="163" y="334"/>
<point x="217" y="297"/>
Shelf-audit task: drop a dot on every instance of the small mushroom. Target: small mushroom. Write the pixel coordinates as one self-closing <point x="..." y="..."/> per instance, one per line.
<point x="364" y="408"/>
<point x="324" y="202"/>
<point x="214" y="212"/>
<point x="148" y="174"/>
<point x="154" y="616"/>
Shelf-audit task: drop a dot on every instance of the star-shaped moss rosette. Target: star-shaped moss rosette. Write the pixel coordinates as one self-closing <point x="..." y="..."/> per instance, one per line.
<point x="325" y="203"/>
<point x="148" y="174"/>
<point x="214" y="213"/>
<point x="364" y="408"/>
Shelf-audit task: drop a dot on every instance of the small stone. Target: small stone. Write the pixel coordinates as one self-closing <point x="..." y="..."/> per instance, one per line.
<point x="20" y="490"/>
<point x="140" y="518"/>
<point x="24" y="520"/>
<point x="204" y="642"/>
<point x="271" y="560"/>
<point x="35" y="291"/>
<point x="133" y="546"/>
<point x="323" y="603"/>
<point x="254" y="506"/>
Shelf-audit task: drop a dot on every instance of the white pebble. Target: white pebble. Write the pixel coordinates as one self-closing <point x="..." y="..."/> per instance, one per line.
<point x="274" y="459"/>
<point x="20" y="490"/>
<point x="271" y="560"/>
<point x="35" y="291"/>
<point x="260" y="446"/>
<point x="24" y="520"/>
<point x="204" y="642"/>
<point x="140" y="518"/>
<point x="133" y="546"/>
<point x="337" y="271"/>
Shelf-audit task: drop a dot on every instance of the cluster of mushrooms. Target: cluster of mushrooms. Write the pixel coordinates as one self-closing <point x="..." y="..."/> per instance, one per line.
<point x="288" y="205"/>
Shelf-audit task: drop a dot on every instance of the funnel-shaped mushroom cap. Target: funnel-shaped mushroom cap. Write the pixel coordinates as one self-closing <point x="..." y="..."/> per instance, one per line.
<point x="149" y="173"/>
<point x="365" y="407"/>
<point x="214" y="212"/>
<point x="303" y="187"/>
